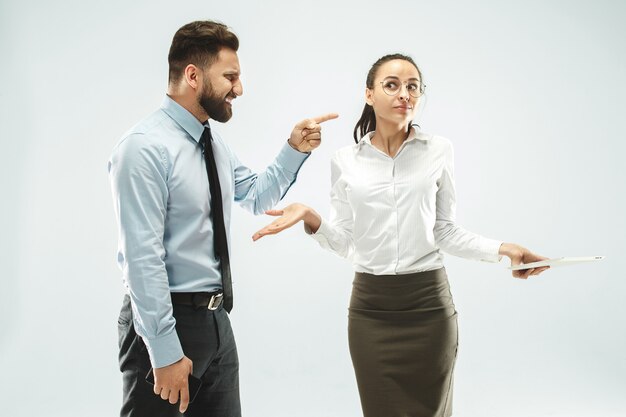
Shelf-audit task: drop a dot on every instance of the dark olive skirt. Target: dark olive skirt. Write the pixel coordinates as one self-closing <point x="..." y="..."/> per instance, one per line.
<point x="403" y="337"/>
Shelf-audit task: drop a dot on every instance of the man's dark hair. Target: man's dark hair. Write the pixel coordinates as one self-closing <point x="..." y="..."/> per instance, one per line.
<point x="198" y="43"/>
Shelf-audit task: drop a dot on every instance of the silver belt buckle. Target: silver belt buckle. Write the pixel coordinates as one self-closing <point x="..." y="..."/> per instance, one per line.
<point x="215" y="302"/>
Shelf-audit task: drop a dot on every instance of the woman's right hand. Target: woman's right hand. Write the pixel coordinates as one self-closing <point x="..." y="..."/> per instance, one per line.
<point x="289" y="216"/>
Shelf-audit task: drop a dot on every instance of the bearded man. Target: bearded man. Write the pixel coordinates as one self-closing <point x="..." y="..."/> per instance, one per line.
<point x="174" y="181"/>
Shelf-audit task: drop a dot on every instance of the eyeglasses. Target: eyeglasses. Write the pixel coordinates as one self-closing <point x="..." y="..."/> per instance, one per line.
<point x="392" y="86"/>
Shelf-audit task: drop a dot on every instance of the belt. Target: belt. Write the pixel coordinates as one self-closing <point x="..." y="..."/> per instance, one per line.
<point x="208" y="300"/>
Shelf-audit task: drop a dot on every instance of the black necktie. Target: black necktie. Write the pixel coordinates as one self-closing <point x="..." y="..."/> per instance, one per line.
<point x="220" y="243"/>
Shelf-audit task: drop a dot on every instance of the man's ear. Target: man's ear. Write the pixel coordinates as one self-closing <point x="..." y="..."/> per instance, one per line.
<point x="193" y="76"/>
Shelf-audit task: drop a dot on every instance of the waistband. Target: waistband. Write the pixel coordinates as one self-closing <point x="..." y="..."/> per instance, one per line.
<point x="208" y="300"/>
<point x="423" y="275"/>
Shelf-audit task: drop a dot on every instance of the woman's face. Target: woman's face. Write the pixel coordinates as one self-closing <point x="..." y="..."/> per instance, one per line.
<point x="396" y="93"/>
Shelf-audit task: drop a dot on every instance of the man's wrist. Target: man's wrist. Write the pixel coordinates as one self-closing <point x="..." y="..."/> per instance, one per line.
<point x="164" y="350"/>
<point x="292" y="145"/>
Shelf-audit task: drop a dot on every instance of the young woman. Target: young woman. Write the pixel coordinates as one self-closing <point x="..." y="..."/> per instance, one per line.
<point x="392" y="212"/>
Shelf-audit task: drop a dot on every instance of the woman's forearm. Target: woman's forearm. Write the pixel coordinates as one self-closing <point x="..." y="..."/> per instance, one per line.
<point x="312" y="220"/>
<point x="511" y="250"/>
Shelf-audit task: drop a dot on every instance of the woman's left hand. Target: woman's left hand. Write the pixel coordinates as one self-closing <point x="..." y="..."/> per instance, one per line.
<point x="520" y="255"/>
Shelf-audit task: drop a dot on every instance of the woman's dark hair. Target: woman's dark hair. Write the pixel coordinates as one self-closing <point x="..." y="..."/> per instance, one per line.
<point x="367" y="122"/>
<point x="198" y="43"/>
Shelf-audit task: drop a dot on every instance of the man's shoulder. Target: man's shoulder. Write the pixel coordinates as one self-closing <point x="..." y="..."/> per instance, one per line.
<point x="152" y="131"/>
<point x="150" y="126"/>
<point x="147" y="137"/>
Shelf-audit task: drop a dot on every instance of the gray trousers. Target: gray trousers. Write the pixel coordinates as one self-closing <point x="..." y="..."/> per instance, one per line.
<point x="207" y="339"/>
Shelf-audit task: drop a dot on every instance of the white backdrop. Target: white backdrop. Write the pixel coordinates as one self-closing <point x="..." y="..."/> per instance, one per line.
<point x="531" y="93"/>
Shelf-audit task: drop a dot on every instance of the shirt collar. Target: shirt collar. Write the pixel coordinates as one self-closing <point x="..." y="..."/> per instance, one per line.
<point x="183" y="117"/>
<point x="414" y="134"/>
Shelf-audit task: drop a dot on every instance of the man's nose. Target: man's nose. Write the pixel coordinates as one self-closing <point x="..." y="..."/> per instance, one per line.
<point x="238" y="88"/>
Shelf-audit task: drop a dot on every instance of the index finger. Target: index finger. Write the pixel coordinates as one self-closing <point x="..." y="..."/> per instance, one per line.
<point x="184" y="398"/>
<point x="326" y="117"/>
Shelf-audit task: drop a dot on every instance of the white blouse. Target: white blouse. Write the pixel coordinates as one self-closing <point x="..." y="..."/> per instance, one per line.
<point x="391" y="216"/>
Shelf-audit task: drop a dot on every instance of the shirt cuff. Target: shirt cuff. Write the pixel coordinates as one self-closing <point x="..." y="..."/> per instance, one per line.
<point x="164" y="350"/>
<point x="492" y="247"/>
<point x="291" y="159"/>
<point x="322" y="234"/>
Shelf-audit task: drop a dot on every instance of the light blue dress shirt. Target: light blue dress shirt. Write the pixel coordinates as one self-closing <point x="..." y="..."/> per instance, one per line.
<point x="162" y="204"/>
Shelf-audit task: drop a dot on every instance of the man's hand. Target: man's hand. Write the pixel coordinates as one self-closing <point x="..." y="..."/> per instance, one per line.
<point x="521" y="255"/>
<point x="171" y="382"/>
<point x="307" y="135"/>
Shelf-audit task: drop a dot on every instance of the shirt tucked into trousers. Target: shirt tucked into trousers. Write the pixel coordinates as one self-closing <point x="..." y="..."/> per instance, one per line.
<point x="162" y="202"/>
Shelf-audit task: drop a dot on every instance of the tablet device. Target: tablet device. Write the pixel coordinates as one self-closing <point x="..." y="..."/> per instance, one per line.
<point x="557" y="262"/>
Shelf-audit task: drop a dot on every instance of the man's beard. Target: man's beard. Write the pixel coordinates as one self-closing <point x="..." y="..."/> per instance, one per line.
<point x="216" y="107"/>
